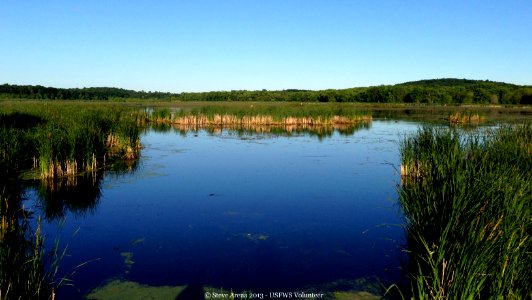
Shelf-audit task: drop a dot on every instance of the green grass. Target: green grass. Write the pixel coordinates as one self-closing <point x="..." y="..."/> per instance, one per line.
<point x="63" y="139"/>
<point x="261" y="117"/>
<point x="468" y="204"/>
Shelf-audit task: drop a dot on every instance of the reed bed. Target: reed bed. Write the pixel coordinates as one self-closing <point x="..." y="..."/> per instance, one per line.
<point x="264" y="115"/>
<point x="265" y="120"/>
<point x="465" y="118"/>
<point x="320" y="131"/>
<point x="67" y="139"/>
<point x="468" y="205"/>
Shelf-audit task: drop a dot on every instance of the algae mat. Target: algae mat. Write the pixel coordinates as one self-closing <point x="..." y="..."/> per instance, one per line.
<point x="118" y="290"/>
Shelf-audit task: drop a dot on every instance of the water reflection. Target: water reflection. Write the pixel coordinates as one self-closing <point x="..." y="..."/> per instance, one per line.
<point x="76" y="194"/>
<point x="319" y="131"/>
<point x="27" y="265"/>
<point x="246" y="208"/>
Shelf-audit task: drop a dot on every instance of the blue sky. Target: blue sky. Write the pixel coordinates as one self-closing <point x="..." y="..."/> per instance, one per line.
<point x="205" y="45"/>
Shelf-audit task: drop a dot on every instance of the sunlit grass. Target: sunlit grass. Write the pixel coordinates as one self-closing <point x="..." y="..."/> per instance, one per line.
<point x="467" y="199"/>
<point x="66" y="139"/>
<point x="261" y="114"/>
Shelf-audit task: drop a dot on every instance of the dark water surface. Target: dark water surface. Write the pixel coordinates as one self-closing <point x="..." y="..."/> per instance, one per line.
<point x="256" y="211"/>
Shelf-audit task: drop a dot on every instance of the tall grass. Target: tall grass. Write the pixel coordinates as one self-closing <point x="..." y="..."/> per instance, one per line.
<point x="69" y="138"/>
<point x="467" y="199"/>
<point x="465" y="118"/>
<point x="261" y="114"/>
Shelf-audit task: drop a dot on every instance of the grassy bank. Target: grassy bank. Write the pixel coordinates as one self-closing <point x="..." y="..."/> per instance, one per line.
<point x="468" y="204"/>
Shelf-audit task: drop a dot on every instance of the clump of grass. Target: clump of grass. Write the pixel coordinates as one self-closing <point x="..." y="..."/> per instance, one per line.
<point x="469" y="212"/>
<point x="465" y="118"/>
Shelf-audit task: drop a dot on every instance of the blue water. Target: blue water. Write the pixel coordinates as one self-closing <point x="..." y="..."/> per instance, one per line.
<point x="256" y="211"/>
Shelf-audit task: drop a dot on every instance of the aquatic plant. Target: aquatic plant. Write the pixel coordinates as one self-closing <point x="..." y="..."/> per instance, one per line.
<point x="262" y="117"/>
<point x="60" y="141"/>
<point x="465" y="118"/>
<point x="70" y="138"/>
<point x="468" y="205"/>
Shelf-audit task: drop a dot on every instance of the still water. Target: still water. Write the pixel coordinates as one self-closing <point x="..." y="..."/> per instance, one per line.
<point x="241" y="211"/>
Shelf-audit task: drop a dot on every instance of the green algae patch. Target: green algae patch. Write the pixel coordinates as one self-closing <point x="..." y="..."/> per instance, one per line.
<point x="119" y="289"/>
<point x="137" y="241"/>
<point x="128" y="260"/>
<point x="355" y="296"/>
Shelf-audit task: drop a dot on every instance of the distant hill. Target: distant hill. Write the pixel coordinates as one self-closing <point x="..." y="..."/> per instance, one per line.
<point x="437" y="91"/>
<point x="449" y="82"/>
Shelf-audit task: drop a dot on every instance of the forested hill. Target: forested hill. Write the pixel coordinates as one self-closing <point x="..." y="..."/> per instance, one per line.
<point x="439" y="91"/>
<point x="449" y="82"/>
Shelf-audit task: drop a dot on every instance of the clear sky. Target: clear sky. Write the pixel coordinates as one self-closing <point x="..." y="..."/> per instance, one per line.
<point x="205" y="45"/>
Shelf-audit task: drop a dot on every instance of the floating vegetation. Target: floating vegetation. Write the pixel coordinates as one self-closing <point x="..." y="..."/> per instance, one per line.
<point x="468" y="207"/>
<point x="351" y="295"/>
<point x="255" y="237"/>
<point x="118" y="290"/>
<point x="128" y="260"/>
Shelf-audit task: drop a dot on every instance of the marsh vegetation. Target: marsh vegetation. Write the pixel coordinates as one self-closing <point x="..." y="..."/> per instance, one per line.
<point x="63" y="147"/>
<point x="465" y="194"/>
<point x="467" y="201"/>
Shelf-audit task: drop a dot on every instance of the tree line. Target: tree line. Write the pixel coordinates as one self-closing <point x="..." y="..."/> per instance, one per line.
<point x="434" y="91"/>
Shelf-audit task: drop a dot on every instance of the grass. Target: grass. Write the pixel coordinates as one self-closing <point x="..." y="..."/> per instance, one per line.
<point x="65" y="140"/>
<point x="467" y="199"/>
<point x="465" y="118"/>
<point x="261" y="114"/>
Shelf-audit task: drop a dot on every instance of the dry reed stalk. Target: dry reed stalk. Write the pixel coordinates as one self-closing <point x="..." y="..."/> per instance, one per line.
<point x="459" y="118"/>
<point x="412" y="172"/>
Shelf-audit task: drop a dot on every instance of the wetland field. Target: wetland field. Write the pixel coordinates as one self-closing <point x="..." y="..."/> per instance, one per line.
<point x="194" y="200"/>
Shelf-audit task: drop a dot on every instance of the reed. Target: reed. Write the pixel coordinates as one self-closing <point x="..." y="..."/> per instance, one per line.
<point x="468" y="206"/>
<point x="261" y="115"/>
<point x="69" y="138"/>
<point x="465" y="118"/>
